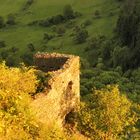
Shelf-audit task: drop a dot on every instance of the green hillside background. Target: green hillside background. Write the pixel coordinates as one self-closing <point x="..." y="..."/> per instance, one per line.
<point x="21" y="34"/>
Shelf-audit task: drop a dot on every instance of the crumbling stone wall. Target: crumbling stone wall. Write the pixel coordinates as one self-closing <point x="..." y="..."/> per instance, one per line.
<point x="63" y="92"/>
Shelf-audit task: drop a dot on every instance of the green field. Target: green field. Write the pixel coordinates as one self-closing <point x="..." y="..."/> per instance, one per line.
<point x="21" y="34"/>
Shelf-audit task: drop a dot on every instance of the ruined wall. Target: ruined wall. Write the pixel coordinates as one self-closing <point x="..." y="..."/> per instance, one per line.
<point x="63" y="92"/>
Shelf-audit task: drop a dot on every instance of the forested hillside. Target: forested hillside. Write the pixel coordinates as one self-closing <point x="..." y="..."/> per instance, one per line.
<point x="106" y="36"/>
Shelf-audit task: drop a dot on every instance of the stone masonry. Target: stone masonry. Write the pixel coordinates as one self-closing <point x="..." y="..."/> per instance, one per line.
<point x="62" y="94"/>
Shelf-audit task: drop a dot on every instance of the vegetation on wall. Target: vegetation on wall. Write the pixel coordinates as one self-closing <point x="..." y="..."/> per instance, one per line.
<point x="17" y="118"/>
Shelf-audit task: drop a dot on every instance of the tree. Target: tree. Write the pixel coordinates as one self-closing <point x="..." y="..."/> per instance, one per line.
<point x="106" y="114"/>
<point x="29" y="2"/>
<point x="128" y="30"/>
<point x="11" y="61"/>
<point x="16" y="116"/>
<point x="27" y="58"/>
<point x="31" y="47"/>
<point x="80" y="35"/>
<point x="11" y="19"/>
<point x="97" y="13"/>
<point x="2" y="24"/>
<point x="121" y="57"/>
<point x="60" y="30"/>
<point x="2" y="44"/>
<point x="4" y="54"/>
<point x="68" y="12"/>
<point x="14" y="49"/>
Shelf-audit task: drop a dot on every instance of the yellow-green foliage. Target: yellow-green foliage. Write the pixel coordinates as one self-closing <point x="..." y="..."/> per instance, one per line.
<point x="16" y="117"/>
<point x="52" y="132"/>
<point x="106" y="114"/>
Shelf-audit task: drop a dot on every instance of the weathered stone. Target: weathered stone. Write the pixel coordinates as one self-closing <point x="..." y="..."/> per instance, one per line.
<point x="63" y="94"/>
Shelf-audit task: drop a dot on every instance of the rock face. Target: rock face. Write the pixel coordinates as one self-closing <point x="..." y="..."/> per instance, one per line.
<point x="62" y="95"/>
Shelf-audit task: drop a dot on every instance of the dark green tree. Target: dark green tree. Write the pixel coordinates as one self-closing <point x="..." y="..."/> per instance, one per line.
<point x="68" y="12"/>
<point x="2" y="24"/>
<point x="11" y="19"/>
<point x="80" y="35"/>
<point x="128" y="30"/>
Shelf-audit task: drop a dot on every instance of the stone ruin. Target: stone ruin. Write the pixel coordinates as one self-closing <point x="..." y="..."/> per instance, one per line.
<point x="62" y="94"/>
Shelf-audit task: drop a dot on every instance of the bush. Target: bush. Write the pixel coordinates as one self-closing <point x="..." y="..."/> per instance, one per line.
<point x="45" y="23"/>
<point x="2" y="44"/>
<point x="67" y="15"/>
<point x="54" y="20"/>
<point x="2" y="24"/>
<point x="17" y="119"/>
<point x="86" y="23"/>
<point x="94" y="42"/>
<point x="11" y="61"/>
<point x="70" y="24"/>
<point x="47" y="37"/>
<point x="4" y="54"/>
<point x="68" y="12"/>
<point x="57" y="19"/>
<point x="14" y="49"/>
<point x="106" y="114"/>
<point x="27" y="58"/>
<point x="100" y="64"/>
<point x="28" y="4"/>
<point x="31" y="47"/>
<point x="60" y="30"/>
<point x="11" y="19"/>
<point x="97" y="14"/>
<point x="80" y="35"/>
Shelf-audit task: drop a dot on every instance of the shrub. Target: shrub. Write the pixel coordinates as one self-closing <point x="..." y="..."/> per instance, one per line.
<point x="14" y="49"/>
<point x="68" y="12"/>
<point x="16" y="117"/>
<point x="100" y="64"/>
<point x="11" y="61"/>
<point x="47" y="37"/>
<point x="4" y="54"/>
<point x="106" y="114"/>
<point x="54" y="20"/>
<point x="11" y="19"/>
<point x="45" y="23"/>
<point x="2" y="24"/>
<point x="70" y="24"/>
<point x="80" y="35"/>
<point x="28" y="4"/>
<point x="57" y="19"/>
<point x="43" y="80"/>
<point x="31" y="47"/>
<point x="27" y="58"/>
<point x="93" y="42"/>
<point x="86" y="23"/>
<point x="60" y="30"/>
<point x="67" y="15"/>
<point x="97" y="14"/>
<point x="2" y="44"/>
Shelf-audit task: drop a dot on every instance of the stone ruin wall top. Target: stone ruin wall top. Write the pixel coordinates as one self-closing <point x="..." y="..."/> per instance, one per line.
<point x="62" y="96"/>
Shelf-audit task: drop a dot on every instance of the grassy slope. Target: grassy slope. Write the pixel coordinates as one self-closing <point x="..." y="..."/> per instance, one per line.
<point x="21" y="34"/>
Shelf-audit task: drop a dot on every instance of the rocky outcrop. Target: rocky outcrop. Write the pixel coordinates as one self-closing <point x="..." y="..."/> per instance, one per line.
<point x="62" y="94"/>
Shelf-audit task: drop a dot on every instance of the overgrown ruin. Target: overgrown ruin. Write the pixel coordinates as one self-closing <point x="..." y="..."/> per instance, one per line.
<point x="62" y="94"/>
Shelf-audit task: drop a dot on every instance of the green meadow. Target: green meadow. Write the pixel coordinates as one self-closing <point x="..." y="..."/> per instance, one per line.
<point x="21" y="34"/>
